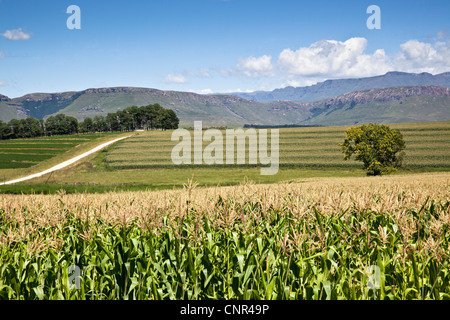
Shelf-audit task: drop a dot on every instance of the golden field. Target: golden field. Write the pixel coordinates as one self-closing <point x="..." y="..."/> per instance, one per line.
<point x="392" y="195"/>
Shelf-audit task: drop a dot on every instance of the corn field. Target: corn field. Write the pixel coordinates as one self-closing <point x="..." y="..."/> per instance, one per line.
<point x="316" y="239"/>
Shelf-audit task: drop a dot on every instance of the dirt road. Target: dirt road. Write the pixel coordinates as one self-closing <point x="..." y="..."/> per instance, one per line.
<point x="63" y="164"/>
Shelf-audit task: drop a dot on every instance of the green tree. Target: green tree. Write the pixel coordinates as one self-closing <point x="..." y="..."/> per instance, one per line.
<point x="134" y="116"/>
<point x="153" y="116"/>
<point x="87" y="125"/>
<point x="169" y="120"/>
<point x="379" y="147"/>
<point x="51" y="126"/>
<point x="125" y="120"/>
<point x="61" y="124"/>
<point x="5" y="131"/>
<point x="113" y="121"/>
<point x="71" y="125"/>
<point x="42" y="125"/>
<point x="16" y="127"/>
<point x="100" y="124"/>
<point x="33" y="128"/>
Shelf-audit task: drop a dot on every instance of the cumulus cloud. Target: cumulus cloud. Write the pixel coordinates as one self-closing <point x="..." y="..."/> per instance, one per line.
<point x="332" y="58"/>
<point x="175" y="78"/>
<point x="328" y="59"/>
<point x="255" y="67"/>
<point x="16" y="34"/>
<point x="3" y="83"/>
<point x="417" y="56"/>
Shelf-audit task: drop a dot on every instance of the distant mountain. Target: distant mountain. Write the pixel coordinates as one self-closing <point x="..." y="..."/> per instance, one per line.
<point x="387" y="105"/>
<point x="333" y="88"/>
<point x="217" y="110"/>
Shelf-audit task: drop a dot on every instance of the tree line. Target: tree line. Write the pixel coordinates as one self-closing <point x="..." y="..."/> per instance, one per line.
<point x="132" y="118"/>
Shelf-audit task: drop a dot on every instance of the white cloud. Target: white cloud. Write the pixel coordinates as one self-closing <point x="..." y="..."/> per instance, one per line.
<point x="16" y="34"/>
<point x="3" y="83"/>
<point x="201" y="91"/>
<point x="175" y="78"/>
<point x="2" y="54"/>
<point x="238" y="90"/>
<point x="332" y="58"/>
<point x="203" y="73"/>
<point x="253" y="67"/>
<point x="416" y="56"/>
<point x="303" y="82"/>
<point x="227" y="72"/>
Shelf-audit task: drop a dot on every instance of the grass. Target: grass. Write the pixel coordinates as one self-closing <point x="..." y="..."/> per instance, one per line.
<point x="317" y="240"/>
<point x="85" y="179"/>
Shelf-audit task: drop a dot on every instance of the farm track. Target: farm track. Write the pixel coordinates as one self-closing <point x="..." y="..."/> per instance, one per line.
<point x="63" y="164"/>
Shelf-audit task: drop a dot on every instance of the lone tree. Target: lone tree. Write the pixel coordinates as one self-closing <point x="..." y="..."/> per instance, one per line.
<point x="379" y="147"/>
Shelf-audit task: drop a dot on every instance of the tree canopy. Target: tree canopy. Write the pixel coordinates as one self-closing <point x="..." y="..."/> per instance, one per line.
<point x="379" y="147"/>
<point x="132" y="118"/>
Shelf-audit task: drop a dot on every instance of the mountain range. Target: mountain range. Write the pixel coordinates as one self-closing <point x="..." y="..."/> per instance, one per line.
<point x="333" y="88"/>
<point x="391" y="98"/>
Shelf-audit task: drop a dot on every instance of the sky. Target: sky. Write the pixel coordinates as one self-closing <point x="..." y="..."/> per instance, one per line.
<point x="215" y="46"/>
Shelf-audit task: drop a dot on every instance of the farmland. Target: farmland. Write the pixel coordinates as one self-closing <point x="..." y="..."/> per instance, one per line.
<point x="24" y="153"/>
<point x="319" y="231"/>
<point x="19" y="157"/>
<point x="427" y="146"/>
<point x="318" y="239"/>
<point x="143" y="161"/>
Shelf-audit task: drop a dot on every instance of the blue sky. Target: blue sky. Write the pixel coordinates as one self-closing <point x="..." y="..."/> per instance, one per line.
<point x="210" y="46"/>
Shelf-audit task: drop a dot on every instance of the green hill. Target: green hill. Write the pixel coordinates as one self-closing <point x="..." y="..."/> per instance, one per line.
<point x="217" y="110"/>
<point x="387" y="105"/>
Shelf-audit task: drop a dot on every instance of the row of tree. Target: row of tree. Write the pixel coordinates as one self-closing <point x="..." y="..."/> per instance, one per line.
<point x="132" y="118"/>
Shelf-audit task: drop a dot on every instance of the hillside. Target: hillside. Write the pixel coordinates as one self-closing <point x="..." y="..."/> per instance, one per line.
<point x="215" y="110"/>
<point x="388" y="105"/>
<point x="333" y="88"/>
